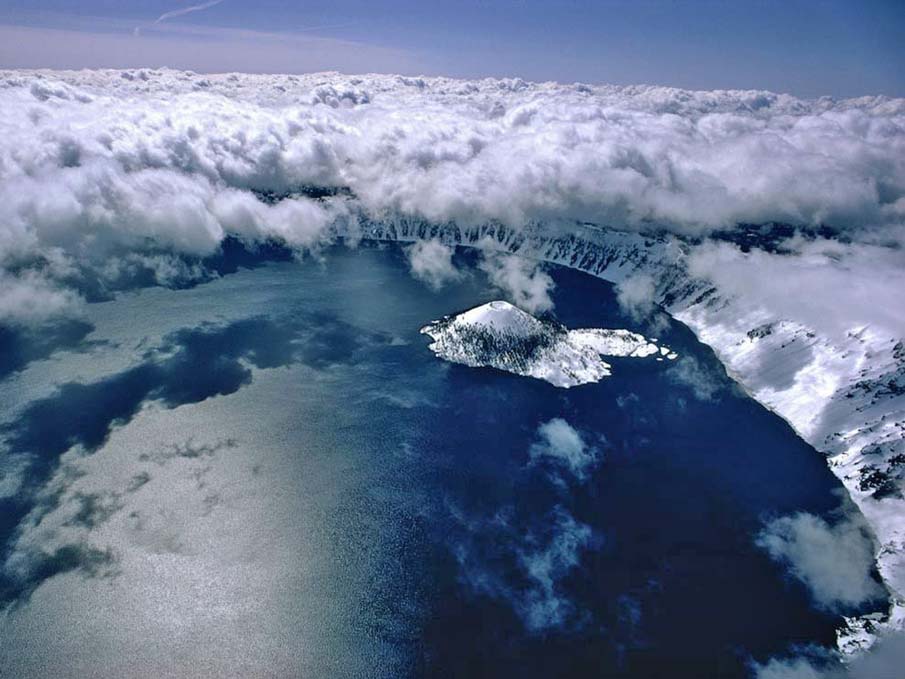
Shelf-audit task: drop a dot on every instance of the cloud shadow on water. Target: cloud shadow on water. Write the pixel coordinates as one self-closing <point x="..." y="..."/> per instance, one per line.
<point x="191" y="365"/>
<point x="21" y="346"/>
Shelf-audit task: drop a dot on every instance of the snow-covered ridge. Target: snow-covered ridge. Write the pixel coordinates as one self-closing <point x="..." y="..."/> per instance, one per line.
<point x="500" y="335"/>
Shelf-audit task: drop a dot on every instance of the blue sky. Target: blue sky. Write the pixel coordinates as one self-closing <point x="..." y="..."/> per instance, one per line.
<point x="835" y="47"/>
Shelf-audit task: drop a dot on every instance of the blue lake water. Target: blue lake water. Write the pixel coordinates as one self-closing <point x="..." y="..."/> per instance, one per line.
<point x="390" y="517"/>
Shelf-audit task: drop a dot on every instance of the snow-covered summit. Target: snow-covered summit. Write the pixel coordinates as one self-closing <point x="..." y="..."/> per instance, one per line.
<point x="500" y="335"/>
<point x="502" y="316"/>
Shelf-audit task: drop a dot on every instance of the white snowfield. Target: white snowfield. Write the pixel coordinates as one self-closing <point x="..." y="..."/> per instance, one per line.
<point x="500" y="335"/>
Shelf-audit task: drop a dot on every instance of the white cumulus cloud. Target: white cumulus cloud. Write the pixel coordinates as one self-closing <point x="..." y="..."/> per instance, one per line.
<point x="833" y="561"/>
<point x="431" y="262"/>
<point x="29" y="299"/>
<point x="95" y="164"/>
<point x="560" y="442"/>
<point x="523" y="280"/>
<point x="883" y="661"/>
<point x="637" y="295"/>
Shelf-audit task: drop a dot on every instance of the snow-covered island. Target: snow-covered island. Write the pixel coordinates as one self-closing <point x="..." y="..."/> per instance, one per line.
<point x="500" y="335"/>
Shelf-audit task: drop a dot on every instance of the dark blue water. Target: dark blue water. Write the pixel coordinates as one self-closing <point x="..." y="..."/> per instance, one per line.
<point x="672" y="585"/>
<point x="440" y="511"/>
<point x="676" y="586"/>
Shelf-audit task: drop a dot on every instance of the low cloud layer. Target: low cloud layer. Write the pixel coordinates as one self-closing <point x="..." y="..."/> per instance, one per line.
<point x="542" y="605"/>
<point x="431" y="262"/>
<point x="526" y="559"/>
<point x="560" y="443"/>
<point x="97" y="166"/>
<point x="29" y="299"/>
<point x="521" y="280"/>
<point x="524" y="562"/>
<point x="835" y="562"/>
<point x="700" y="378"/>
<point x="884" y="660"/>
<point x="637" y="296"/>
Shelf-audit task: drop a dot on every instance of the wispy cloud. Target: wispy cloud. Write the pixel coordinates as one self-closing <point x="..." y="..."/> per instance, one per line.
<point x="172" y="14"/>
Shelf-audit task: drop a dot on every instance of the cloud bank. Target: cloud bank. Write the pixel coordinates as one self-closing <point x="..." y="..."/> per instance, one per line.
<point x="100" y="165"/>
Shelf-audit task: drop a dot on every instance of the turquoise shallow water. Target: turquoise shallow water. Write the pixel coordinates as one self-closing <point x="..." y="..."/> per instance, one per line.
<point x="361" y="508"/>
